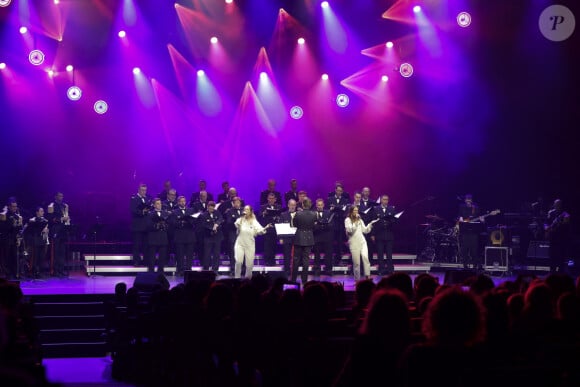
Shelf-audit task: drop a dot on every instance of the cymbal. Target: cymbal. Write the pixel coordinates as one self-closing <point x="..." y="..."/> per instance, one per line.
<point x="433" y="217"/>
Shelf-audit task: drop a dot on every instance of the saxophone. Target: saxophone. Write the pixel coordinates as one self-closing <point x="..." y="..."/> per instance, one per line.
<point x="65" y="215"/>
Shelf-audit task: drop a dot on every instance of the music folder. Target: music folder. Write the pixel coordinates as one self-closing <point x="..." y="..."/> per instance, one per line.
<point x="196" y="215"/>
<point x="398" y="214"/>
<point x="273" y="211"/>
<point x="284" y="229"/>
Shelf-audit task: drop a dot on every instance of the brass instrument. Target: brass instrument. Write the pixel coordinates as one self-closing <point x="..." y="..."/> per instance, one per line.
<point x="65" y="218"/>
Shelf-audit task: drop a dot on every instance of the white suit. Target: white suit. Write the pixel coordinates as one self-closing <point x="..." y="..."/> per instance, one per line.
<point x="245" y="246"/>
<point x="358" y="246"/>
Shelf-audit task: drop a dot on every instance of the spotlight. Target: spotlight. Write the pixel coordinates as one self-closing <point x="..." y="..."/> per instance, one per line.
<point x="101" y="107"/>
<point x="342" y="100"/>
<point x="2" y="66"/>
<point x="263" y="75"/>
<point x="213" y="40"/>
<point x="301" y="40"/>
<point x="406" y="70"/>
<point x="23" y="30"/>
<point x="136" y="70"/>
<point x="417" y="9"/>
<point x="69" y="68"/>
<point x="389" y="44"/>
<point x="384" y="78"/>
<point x="229" y="1"/>
<point x="122" y="34"/>
<point x="5" y="3"/>
<point x="50" y="73"/>
<point x="324" y="77"/>
<point x="200" y="73"/>
<point x="296" y="112"/>
<point x="36" y="57"/>
<point x="74" y="93"/>
<point x="56" y="2"/>
<point x="324" y="4"/>
<point x="464" y="19"/>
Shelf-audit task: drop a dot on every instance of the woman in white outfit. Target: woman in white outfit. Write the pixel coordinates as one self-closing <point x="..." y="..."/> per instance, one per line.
<point x="245" y="247"/>
<point x="355" y="228"/>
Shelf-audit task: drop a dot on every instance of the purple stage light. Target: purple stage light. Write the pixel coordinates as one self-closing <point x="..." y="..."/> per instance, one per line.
<point x="229" y="1"/>
<point x="417" y="9"/>
<point x="200" y="73"/>
<point x="36" y="57"/>
<point x="2" y="66"/>
<point x="23" y="30"/>
<point x="385" y="78"/>
<point x="69" y="68"/>
<point x="74" y="93"/>
<point x="324" y="77"/>
<point x="213" y="40"/>
<point x="342" y="100"/>
<point x="263" y="75"/>
<point x="122" y="34"/>
<point x="56" y="2"/>
<point x="5" y="3"/>
<point x="136" y="70"/>
<point x="101" y="107"/>
<point x="301" y="41"/>
<point x="50" y="73"/>
<point x="406" y="70"/>
<point x="463" y="19"/>
<point x="296" y="112"/>
<point x="324" y="4"/>
<point x="389" y="44"/>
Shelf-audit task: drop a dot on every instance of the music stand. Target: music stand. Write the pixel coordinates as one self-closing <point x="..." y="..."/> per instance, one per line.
<point x="94" y="230"/>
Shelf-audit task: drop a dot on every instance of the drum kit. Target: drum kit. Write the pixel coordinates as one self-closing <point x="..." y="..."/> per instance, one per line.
<point x="440" y="240"/>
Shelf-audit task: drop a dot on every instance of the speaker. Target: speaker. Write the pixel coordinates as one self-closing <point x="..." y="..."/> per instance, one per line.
<point x="198" y="276"/>
<point x="458" y="277"/>
<point x="149" y="282"/>
<point x="539" y="250"/>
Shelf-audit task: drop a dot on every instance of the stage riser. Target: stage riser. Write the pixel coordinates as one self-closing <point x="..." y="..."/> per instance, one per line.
<point x="74" y="350"/>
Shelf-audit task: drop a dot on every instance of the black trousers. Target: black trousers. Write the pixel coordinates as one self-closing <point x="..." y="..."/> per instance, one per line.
<point x="301" y="258"/>
<point x="38" y="261"/>
<point x="270" y="248"/>
<point x="323" y="247"/>
<point x="339" y="242"/>
<point x="212" y="247"/>
<point x="161" y="251"/>
<point x="287" y="252"/>
<point x="183" y="256"/>
<point x="469" y="249"/>
<point x="230" y="243"/>
<point x="558" y="250"/>
<point x="59" y="254"/>
<point x="139" y="246"/>
<point x="385" y="255"/>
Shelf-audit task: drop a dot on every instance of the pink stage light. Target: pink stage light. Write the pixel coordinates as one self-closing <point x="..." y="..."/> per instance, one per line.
<point x="69" y="68"/>
<point x="100" y="107"/>
<point x="2" y="66"/>
<point x="36" y="57"/>
<point x="301" y="41"/>
<point x="389" y="44"/>
<point x="324" y="77"/>
<point x="229" y="1"/>
<point x="406" y="70"/>
<point x="213" y="40"/>
<point x="324" y="4"/>
<point x="263" y="75"/>
<point x="463" y="19"/>
<point x="122" y="34"/>
<point x="342" y="100"/>
<point x="23" y="30"/>
<point x="50" y="73"/>
<point x="5" y="3"/>
<point x="417" y="9"/>
<point x="200" y="73"/>
<point x="296" y="112"/>
<point x="56" y="2"/>
<point x="385" y="78"/>
<point x="136" y="70"/>
<point x="74" y="93"/>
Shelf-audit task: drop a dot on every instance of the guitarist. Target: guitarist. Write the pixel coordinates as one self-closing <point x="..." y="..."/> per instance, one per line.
<point x="558" y="233"/>
<point x="469" y="236"/>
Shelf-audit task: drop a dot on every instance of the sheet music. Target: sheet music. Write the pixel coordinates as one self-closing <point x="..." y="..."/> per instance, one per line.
<point x="284" y="229"/>
<point x="217" y="205"/>
<point x="196" y="215"/>
<point x="367" y="210"/>
<point x="398" y="214"/>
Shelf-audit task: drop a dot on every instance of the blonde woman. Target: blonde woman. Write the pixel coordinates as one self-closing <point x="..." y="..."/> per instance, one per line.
<point x="247" y="227"/>
<point x="355" y="228"/>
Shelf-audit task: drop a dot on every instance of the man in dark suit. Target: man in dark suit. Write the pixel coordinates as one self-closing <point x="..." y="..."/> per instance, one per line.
<point x="183" y="224"/>
<point x="271" y="189"/>
<point x="211" y="221"/>
<point x="304" y="222"/>
<point x="322" y="238"/>
<point x="230" y="217"/>
<point x="166" y="188"/>
<point x="270" y="214"/>
<point x="287" y="240"/>
<point x="196" y="196"/>
<point x="383" y="234"/>
<point x="199" y="208"/>
<point x="337" y="204"/>
<point x="224" y="195"/>
<point x="367" y="214"/>
<point x="157" y="239"/>
<point x="292" y="194"/>
<point x="139" y="206"/>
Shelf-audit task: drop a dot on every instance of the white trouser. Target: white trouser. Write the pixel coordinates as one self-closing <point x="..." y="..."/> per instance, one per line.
<point x="247" y="252"/>
<point x="358" y="250"/>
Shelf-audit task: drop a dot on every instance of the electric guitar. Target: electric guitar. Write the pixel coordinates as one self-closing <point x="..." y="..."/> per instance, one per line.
<point x="477" y="218"/>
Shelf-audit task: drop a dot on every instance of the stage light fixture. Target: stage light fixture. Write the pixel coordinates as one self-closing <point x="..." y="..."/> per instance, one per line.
<point x="263" y="75"/>
<point x="2" y="66"/>
<point x="200" y="73"/>
<point x="74" y="93"/>
<point x="229" y="1"/>
<point x="50" y="73"/>
<point x="463" y="19"/>
<point x="23" y="30"/>
<point x="385" y="78"/>
<point x="301" y="41"/>
<point x="122" y="34"/>
<point x="296" y="112"/>
<point x="324" y="4"/>
<point x="417" y="9"/>
<point x="5" y="3"/>
<point x="69" y="68"/>
<point x="213" y="40"/>
<point x="406" y="70"/>
<point x="136" y="70"/>
<point x="342" y="100"/>
<point x="389" y="44"/>
<point x="56" y="2"/>
<point x="36" y="57"/>
<point x="324" y="77"/>
<point x="101" y="107"/>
